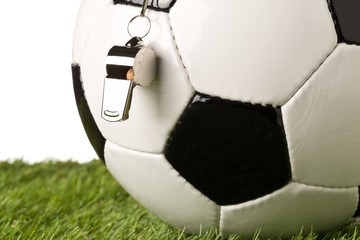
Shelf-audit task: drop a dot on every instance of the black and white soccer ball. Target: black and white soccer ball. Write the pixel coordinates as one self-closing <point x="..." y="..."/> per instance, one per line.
<point x="253" y="121"/>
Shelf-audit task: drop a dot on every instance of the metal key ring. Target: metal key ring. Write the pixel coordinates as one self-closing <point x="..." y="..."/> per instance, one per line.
<point x="139" y="16"/>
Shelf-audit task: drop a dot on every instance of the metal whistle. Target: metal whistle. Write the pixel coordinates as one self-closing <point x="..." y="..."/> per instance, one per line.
<point x="123" y="75"/>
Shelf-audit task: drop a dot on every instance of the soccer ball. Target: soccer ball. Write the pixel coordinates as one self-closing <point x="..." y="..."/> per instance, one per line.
<point x="253" y="118"/>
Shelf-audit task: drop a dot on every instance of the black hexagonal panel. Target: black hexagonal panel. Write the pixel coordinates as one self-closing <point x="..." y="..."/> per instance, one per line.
<point x="230" y="151"/>
<point x="346" y="15"/>
<point x="152" y="4"/>
<point x="91" y="129"/>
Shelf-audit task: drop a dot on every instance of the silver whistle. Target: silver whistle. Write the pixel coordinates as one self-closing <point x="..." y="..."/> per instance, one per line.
<point x="127" y="67"/>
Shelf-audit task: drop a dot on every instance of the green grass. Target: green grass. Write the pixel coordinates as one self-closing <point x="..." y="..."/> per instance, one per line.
<point x="67" y="200"/>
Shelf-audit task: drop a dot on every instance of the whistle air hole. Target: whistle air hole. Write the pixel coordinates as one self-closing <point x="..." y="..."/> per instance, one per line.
<point x="112" y="114"/>
<point x="118" y="72"/>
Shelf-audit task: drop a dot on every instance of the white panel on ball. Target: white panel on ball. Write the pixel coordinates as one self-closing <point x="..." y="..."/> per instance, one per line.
<point x="91" y="11"/>
<point x="152" y="181"/>
<point x="322" y="123"/>
<point x="155" y="109"/>
<point x="261" y="52"/>
<point x="293" y="207"/>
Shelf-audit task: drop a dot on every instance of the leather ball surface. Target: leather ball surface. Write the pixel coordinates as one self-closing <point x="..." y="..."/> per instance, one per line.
<point x="252" y="121"/>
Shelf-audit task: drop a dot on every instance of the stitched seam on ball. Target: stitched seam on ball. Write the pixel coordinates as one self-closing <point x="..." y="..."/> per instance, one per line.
<point x="178" y="52"/>
<point x="309" y="77"/>
<point x="220" y="220"/>
<point x="323" y="187"/>
<point x="358" y="203"/>
<point x="174" y="172"/>
<point x="336" y="21"/>
<point x="92" y="29"/>
<point x="137" y="150"/>
<point x="217" y="217"/>
<point x="198" y="193"/>
<point x="134" y="150"/>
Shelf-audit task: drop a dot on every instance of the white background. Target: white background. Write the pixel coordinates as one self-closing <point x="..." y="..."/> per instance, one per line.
<point x="38" y="115"/>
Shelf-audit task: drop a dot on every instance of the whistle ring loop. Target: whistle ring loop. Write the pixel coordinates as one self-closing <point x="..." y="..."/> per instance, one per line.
<point x="138" y="17"/>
